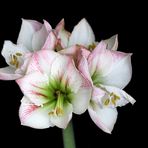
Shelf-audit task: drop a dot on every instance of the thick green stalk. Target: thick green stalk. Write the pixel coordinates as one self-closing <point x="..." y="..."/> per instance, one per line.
<point x="68" y="137"/>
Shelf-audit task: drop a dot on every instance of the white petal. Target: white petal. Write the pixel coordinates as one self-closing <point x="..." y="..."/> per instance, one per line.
<point x="28" y="28"/>
<point x="98" y="94"/>
<point x="81" y="99"/>
<point x="76" y="52"/>
<point x="8" y="73"/>
<point x="82" y="34"/>
<point x="50" y="42"/>
<point x="104" y="118"/>
<point x="9" y="50"/>
<point x="34" y="86"/>
<point x="39" y="38"/>
<point x="82" y="64"/>
<point x="62" y="121"/>
<point x="42" y="61"/>
<point x="63" y="68"/>
<point x="112" y="43"/>
<point x="47" y="26"/>
<point x="60" y="26"/>
<point x="79" y="56"/>
<point x="33" y="116"/>
<point x="120" y="74"/>
<point x="110" y="67"/>
<point x="71" y="51"/>
<point x="63" y="35"/>
<point x="99" y="60"/>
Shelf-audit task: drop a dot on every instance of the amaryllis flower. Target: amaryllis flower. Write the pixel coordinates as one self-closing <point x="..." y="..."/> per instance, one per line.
<point x="81" y="35"/>
<point x="109" y="71"/>
<point x="32" y="37"/>
<point x="53" y="89"/>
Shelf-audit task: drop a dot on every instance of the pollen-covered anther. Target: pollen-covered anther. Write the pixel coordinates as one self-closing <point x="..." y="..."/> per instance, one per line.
<point x="113" y="101"/>
<point x="18" y="54"/>
<point x="92" y="46"/>
<point x="14" y="60"/>
<point x="51" y="113"/>
<point x="59" y="111"/>
<point x="56" y="112"/>
<point x="114" y="98"/>
<point x="106" y="102"/>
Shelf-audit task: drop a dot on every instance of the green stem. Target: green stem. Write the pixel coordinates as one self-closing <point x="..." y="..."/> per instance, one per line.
<point x="68" y="137"/>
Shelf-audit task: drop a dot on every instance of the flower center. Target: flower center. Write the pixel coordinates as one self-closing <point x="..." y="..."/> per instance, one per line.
<point x="58" y="95"/>
<point x="96" y="78"/>
<point x="14" y="59"/>
<point x="60" y="99"/>
<point x="111" y="99"/>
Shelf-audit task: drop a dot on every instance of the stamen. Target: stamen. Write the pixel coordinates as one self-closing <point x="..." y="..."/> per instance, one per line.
<point x="14" y="61"/>
<point x="114" y="98"/>
<point x="92" y="46"/>
<point x="117" y="97"/>
<point x="113" y="101"/>
<point x="14" y="57"/>
<point x="58" y="110"/>
<point x="11" y="61"/>
<point x="112" y="94"/>
<point x="106" y="102"/>
<point x="51" y="113"/>
<point x="18" y="54"/>
<point x="17" y="64"/>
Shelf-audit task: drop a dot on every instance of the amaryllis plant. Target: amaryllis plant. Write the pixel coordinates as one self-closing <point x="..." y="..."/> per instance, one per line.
<point x="61" y="73"/>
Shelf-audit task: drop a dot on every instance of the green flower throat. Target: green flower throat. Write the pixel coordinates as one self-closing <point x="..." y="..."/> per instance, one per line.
<point x="57" y="94"/>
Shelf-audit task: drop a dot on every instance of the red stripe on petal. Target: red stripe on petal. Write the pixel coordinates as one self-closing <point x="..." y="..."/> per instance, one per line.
<point x="39" y="94"/>
<point x="42" y="88"/>
<point x="26" y="110"/>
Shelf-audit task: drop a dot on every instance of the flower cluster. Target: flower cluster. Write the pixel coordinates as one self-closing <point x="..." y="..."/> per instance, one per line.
<point x="61" y="73"/>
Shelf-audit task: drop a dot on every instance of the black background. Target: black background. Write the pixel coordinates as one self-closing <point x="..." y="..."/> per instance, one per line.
<point x="129" y="22"/>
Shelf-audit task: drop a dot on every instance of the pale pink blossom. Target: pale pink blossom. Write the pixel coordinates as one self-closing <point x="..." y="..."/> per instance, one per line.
<point x="109" y="72"/>
<point x="81" y="35"/>
<point x="53" y="89"/>
<point x="32" y="37"/>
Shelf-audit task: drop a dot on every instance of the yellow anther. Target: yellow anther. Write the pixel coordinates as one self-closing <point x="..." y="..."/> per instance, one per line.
<point x="113" y="101"/>
<point x="14" y="60"/>
<point x="117" y="97"/>
<point x="51" y="113"/>
<point x="14" y="57"/>
<point x="59" y="111"/>
<point x="112" y="94"/>
<point x="17" y="64"/>
<point x="106" y="102"/>
<point x="92" y="46"/>
<point x="114" y="98"/>
<point x="18" y="54"/>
